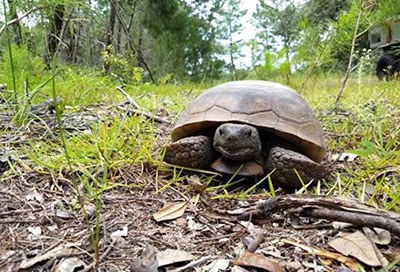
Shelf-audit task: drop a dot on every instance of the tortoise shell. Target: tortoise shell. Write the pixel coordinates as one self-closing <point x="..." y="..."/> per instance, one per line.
<point x="266" y="105"/>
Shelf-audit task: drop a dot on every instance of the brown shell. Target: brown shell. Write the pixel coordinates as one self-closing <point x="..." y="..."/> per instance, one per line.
<point x="264" y="104"/>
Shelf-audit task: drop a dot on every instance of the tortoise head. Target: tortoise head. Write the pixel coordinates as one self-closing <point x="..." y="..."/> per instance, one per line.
<point x="237" y="142"/>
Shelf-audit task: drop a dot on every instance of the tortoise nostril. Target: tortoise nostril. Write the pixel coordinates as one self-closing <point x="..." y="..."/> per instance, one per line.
<point x="248" y="134"/>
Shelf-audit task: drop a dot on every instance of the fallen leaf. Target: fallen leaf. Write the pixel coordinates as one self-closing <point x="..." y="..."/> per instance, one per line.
<point x="35" y="196"/>
<point x="171" y="256"/>
<point x="170" y="211"/>
<point x="196" y="184"/>
<point x="247" y="224"/>
<point x="258" y="261"/>
<point x="63" y="214"/>
<point x="35" y="231"/>
<point x="378" y="236"/>
<point x="322" y="253"/>
<point x="119" y="233"/>
<point x="62" y="250"/>
<point x="217" y="265"/>
<point x="70" y="265"/>
<point x="357" y="245"/>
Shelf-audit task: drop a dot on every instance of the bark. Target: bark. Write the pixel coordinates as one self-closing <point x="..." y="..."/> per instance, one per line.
<point x="327" y="207"/>
<point x="17" y="34"/>
<point x="54" y="36"/>
<point x="139" y="55"/>
<point x="110" y="32"/>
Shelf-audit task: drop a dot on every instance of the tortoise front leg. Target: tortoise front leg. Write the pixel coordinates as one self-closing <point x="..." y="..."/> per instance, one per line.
<point x="289" y="165"/>
<point x="193" y="152"/>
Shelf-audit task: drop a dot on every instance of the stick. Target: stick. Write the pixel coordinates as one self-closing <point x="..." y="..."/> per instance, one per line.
<point x="331" y="208"/>
<point x="136" y="108"/>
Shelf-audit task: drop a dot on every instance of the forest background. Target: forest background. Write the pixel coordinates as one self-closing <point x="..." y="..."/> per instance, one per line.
<point x="178" y="41"/>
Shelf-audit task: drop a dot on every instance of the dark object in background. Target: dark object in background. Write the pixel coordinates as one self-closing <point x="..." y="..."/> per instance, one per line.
<point x="388" y="67"/>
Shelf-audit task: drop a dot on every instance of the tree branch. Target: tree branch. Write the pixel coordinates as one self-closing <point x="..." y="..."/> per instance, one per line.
<point x="331" y="208"/>
<point x="16" y="20"/>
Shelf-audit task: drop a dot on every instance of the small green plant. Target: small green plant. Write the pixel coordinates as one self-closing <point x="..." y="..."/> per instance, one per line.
<point x="122" y="66"/>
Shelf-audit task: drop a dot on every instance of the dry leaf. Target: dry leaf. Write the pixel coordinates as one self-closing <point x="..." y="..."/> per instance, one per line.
<point x="357" y="245"/>
<point x="119" y="233"/>
<point x="322" y="253"/>
<point x="35" y="196"/>
<point x="217" y="265"/>
<point x="171" y="256"/>
<point x="70" y="265"/>
<point x="195" y="184"/>
<point x="62" y="250"/>
<point x="35" y="231"/>
<point x="63" y="214"/>
<point x="258" y="261"/>
<point x="378" y="236"/>
<point x="170" y="211"/>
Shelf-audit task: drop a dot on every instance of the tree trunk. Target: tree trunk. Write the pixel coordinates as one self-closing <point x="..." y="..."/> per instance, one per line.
<point x="17" y="34"/>
<point x="54" y="37"/>
<point x="110" y="33"/>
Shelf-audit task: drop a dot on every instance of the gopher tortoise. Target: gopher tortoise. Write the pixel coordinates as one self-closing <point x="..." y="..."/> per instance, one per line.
<point x="250" y="128"/>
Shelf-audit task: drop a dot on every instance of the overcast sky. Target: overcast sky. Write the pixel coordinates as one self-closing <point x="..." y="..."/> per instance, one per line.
<point x="249" y="31"/>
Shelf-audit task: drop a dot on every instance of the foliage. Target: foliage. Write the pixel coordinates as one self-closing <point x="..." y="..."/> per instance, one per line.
<point x="122" y="66"/>
<point x="25" y="66"/>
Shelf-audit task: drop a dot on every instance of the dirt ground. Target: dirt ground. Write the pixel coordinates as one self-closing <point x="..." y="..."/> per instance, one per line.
<point x="42" y="229"/>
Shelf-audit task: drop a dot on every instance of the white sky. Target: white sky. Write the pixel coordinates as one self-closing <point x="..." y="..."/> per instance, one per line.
<point x="249" y="31"/>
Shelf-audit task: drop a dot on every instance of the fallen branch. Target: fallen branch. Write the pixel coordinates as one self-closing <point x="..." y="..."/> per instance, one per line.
<point x="135" y="108"/>
<point x="331" y="208"/>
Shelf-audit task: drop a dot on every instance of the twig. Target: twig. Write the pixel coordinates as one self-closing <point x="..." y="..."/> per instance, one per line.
<point x="145" y="114"/>
<point x="136" y="107"/>
<point x="128" y="97"/>
<point x="194" y="263"/>
<point x="331" y="208"/>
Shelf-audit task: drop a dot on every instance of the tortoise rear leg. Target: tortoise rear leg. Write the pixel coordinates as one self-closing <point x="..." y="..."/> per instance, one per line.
<point x="289" y="165"/>
<point x="193" y="152"/>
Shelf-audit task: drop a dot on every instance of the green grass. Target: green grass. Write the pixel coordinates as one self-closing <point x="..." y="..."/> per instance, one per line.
<point x="366" y="123"/>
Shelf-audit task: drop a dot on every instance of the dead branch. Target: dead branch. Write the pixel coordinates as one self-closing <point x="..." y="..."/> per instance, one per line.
<point x="128" y="97"/>
<point x="16" y="20"/>
<point x="331" y="208"/>
<point x="135" y="108"/>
